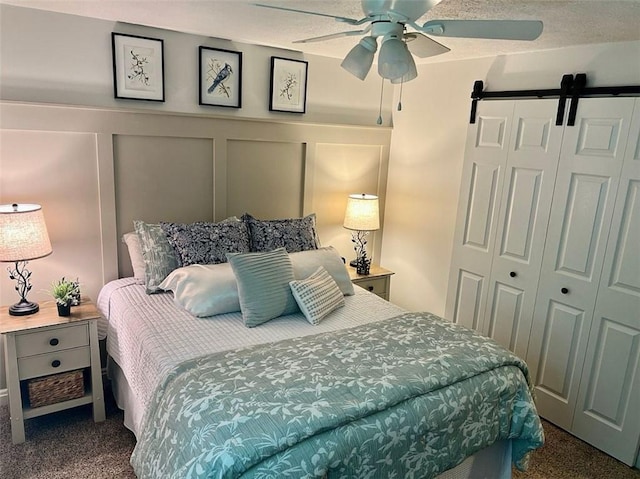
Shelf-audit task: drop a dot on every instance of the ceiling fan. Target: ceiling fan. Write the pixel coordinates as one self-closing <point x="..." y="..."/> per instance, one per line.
<point x="394" y="21"/>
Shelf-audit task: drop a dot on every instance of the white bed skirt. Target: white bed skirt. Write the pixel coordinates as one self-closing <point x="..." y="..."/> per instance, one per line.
<point x="493" y="462"/>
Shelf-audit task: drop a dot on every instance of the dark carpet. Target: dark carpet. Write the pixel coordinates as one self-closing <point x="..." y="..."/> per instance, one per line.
<point x="69" y="445"/>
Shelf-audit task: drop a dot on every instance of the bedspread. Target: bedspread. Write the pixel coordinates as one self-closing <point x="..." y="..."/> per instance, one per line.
<point x="405" y="397"/>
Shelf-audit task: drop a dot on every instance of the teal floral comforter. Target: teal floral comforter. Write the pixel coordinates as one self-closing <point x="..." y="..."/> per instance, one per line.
<point x="407" y="397"/>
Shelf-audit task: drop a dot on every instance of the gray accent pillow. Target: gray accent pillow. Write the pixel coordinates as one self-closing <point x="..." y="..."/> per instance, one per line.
<point x="207" y="243"/>
<point x="158" y="255"/>
<point x="317" y="296"/>
<point x="263" y="285"/>
<point x="135" y="255"/>
<point x="293" y="234"/>
<point x="306" y="262"/>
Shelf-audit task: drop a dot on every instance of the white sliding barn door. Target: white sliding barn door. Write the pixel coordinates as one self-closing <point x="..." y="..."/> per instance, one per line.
<point x="508" y="180"/>
<point x="608" y="408"/>
<point x="581" y="213"/>
<point x="525" y="202"/>
<point x="482" y="176"/>
<point x="546" y="257"/>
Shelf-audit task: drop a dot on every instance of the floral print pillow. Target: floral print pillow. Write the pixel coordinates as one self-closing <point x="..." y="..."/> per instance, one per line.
<point x="158" y="255"/>
<point x="292" y="234"/>
<point x="206" y="243"/>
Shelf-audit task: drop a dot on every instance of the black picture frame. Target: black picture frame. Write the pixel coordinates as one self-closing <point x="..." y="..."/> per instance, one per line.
<point x="224" y="68"/>
<point x="138" y="67"/>
<point x="288" y="85"/>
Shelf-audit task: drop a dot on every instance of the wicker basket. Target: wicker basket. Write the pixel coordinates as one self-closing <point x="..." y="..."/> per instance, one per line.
<point x="56" y="388"/>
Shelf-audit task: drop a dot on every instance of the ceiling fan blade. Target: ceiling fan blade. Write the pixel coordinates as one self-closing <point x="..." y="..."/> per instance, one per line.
<point x="350" y="21"/>
<point x="422" y="46"/>
<point x="334" y="35"/>
<point x="493" y="29"/>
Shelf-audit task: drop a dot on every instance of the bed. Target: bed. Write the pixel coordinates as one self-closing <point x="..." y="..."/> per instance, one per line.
<point x="368" y="391"/>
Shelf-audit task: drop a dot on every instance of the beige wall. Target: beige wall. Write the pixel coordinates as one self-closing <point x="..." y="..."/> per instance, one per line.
<point x="427" y="151"/>
<point x="57" y="58"/>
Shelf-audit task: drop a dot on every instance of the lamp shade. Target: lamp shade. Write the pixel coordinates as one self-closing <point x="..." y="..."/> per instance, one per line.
<point x="359" y="60"/>
<point x="362" y="213"/>
<point x="23" y="233"/>
<point x="411" y="74"/>
<point x="394" y="58"/>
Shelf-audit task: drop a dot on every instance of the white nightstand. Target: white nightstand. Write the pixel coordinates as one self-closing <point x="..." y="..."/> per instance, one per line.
<point x="378" y="280"/>
<point x="45" y="344"/>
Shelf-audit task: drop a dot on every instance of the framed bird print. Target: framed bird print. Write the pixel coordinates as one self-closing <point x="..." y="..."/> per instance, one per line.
<point x="220" y="81"/>
<point x="138" y="67"/>
<point x="288" y="90"/>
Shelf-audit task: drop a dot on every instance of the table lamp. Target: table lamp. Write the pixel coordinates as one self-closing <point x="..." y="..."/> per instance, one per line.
<point x="23" y="237"/>
<point x="362" y="216"/>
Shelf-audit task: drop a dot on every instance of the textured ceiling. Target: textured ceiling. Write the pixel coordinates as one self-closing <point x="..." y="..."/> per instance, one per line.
<point x="566" y="23"/>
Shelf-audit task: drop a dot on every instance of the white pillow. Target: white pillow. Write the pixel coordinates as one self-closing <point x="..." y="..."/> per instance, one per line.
<point x="306" y="263"/>
<point x="317" y="296"/>
<point x="135" y="254"/>
<point x="204" y="290"/>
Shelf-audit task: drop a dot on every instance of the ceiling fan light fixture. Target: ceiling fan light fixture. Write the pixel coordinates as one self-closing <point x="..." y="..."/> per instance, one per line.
<point x="394" y="59"/>
<point x="359" y="60"/>
<point x="411" y="74"/>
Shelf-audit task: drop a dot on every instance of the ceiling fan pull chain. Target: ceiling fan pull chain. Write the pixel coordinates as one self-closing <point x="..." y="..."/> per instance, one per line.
<point x="380" y="111"/>
<point x="400" y="99"/>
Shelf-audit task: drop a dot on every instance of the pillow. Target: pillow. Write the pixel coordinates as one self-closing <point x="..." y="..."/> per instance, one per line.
<point x="306" y="262"/>
<point x="293" y="234"/>
<point x="317" y="296"/>
<point x="204" y="290"/>
<point x="135" y="255"/>
<point x="263" y="285"/>
<point x="158" y="255"/>
<point x="207" y="243"/>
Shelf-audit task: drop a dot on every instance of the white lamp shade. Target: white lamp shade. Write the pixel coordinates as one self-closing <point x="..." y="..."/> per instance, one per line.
<point x="411" y="74"/>
<point x="394" y="59"/>
<point x="362" y="213"/>
<point x="359" y="60"/>
<point x="23" y="233"/>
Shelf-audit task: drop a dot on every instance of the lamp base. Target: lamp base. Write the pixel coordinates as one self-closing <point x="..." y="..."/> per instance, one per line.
<point x="362" y="268"/>
<point x="23" y="308"/>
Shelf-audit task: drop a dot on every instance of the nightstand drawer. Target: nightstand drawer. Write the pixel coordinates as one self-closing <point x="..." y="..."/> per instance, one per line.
<point x="377" y="286"/>
<point x="51" y="339"/>
<point x="56" y="362"/>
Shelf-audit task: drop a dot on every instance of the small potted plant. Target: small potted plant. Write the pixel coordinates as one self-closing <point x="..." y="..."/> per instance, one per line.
<point x="64" y="292"/>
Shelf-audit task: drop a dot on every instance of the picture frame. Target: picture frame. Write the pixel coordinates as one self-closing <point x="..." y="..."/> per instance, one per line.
<point x="138" y="67"/>
<point x="288" y="86"/>
<point x="220" y="77"/>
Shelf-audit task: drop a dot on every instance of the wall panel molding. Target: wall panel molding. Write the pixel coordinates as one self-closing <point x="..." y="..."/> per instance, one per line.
<point x="361" y="148"/>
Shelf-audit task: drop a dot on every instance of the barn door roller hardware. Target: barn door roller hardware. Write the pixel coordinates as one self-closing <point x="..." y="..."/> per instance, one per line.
<point x="571" y="87"/>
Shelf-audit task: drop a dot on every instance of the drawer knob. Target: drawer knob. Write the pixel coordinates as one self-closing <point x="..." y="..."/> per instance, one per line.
<point x="55" y="363"/>
<point x="513" y="274"/>
<point x="54" y="341"/>
<point x="564" y="290"/>
<point x="370" y="288"/>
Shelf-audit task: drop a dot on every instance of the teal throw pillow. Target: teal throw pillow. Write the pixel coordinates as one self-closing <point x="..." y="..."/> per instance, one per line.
<point x="263" y="285"/>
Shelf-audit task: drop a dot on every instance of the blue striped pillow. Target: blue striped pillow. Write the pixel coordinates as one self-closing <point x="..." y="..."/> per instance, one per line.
<point x="263" y="285"/>
<point x="317" y="295"/>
